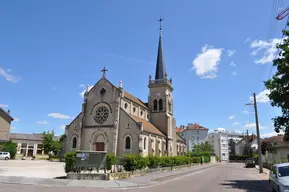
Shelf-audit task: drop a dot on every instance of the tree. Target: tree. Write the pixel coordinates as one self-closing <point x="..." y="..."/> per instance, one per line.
<point x="50" y="144"/>
<point x="48" y="141"/>
<point x="11" y="148"/>
<point x="278" y="87"/>
<point x="232" y="147"/>
<point x="203" y="147"/>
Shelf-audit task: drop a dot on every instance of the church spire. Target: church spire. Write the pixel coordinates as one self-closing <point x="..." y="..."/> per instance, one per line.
<point x="160" y="67"/>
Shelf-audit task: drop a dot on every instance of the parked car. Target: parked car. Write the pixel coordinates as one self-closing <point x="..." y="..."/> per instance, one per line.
<point x="249" y="162"/>
<point x="279" y="177"/>
<point x="4" y="155"/>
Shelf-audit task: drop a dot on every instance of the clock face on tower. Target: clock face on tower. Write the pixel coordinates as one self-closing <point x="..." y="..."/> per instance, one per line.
<point x="158" y="94"/>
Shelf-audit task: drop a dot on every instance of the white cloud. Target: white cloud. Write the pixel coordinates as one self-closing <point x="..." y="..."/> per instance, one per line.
<point x="16" y="119"/>
<point x="81" y="85"/>
<point x="3" y="105"/>
<point x="246" y="111"/>
<point x="42" y="122"/>
<point x="231" y="52"/>
<point x="233" y="64"/>
<point x="268" y="49"/>
<point x="253" y="126"/>
<point x="231" y="117"/>
<point x="62" y="126"/>
<point x="262" y="97"/>
<point x="82" y="92"/>
<point x="236" y="123"/>
<point x="13" y="128"/>
<point x="270" y="134"/>
<point x="234" y="73"/>
<point x="221" y="129"/>
<point x="59" y="116"/>
<point x="6" y="74"/>
<point x="206" y="63"/>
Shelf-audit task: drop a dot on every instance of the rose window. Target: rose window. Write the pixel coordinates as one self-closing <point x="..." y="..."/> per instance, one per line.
<point x="101" y="114"/>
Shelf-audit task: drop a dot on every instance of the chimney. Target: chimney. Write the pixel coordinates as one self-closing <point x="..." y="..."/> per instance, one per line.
<point x="8" y="111"/>
<point x="120" y="84"/>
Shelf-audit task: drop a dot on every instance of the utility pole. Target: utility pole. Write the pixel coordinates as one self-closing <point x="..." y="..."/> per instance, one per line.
<point x="258" y="136"/>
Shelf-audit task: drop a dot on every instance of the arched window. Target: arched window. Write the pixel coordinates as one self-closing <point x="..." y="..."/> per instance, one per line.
<point x="160" y="104"/>
<point x="155" y="105"/>
<point x="125" y="105"/>
<point x="144" y="143"/>
<point x="127" y="142"/>
<point x="74" y="143"/>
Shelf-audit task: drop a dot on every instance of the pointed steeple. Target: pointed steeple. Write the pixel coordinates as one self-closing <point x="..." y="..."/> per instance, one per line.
<point x="160" y="67"/>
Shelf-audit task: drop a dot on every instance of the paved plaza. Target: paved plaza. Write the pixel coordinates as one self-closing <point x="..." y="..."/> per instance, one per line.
<point x="29" y="168"/>
<point x="224" y="177"/>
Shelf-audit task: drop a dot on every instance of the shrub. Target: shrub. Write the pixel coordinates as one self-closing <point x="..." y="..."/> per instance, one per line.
<point x="130" y="162"/>
<point x="153" y="162"/>
<point x="11" y="148"/>
<point x="142" y="162"/>
<point x="196" y="159"/>
<point x="70" y="161"/>
<point x="238" y="157"/>
<point x="110" y="161"/>
<point x="166" y="162"/>
<point x="207" y="159"/>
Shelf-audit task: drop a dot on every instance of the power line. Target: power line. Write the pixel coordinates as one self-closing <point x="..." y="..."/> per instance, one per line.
<point x="278" y="51"/>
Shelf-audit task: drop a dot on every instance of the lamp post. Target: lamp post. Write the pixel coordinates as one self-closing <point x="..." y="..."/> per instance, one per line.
<point x="258" y="133"/>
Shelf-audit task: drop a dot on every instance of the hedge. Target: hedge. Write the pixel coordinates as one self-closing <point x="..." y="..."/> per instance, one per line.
<point x="135" y="162"/>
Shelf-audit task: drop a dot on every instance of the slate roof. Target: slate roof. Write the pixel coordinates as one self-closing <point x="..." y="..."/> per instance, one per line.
<point x="6" y="113"/>
<point x="147" y="126"/>
<point x="160" y="68"/>
<point x="30" y="137"/>
<point x="134" y="99"/>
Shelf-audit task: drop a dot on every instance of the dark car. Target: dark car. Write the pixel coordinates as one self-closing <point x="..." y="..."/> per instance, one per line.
<point x="249" y="162"/>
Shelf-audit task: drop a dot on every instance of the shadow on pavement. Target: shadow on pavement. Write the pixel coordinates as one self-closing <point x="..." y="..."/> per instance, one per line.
<point x="249" y="185"/>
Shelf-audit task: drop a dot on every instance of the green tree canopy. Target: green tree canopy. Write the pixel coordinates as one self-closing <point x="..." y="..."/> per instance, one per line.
<point x="50" y="144"/>
<point x="278" y="86"/>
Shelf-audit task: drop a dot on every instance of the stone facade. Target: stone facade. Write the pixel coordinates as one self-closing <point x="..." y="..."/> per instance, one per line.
<point x="115" y="121"/>
<point x="5" y="123"/>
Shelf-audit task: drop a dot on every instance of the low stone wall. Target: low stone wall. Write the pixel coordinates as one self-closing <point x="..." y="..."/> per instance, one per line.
<point x="122" y="175"/>
<point x="87" y="176"/>
<point x="128" y="174"/>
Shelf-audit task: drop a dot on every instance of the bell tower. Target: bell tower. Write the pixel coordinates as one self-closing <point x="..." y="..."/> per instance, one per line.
<point x="161" y="98"/>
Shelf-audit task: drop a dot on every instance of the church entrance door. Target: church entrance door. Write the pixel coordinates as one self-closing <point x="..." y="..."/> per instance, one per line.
<point x="99" y="146"/>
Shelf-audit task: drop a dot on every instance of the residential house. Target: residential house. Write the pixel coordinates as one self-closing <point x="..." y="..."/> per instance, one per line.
<point x="247" y="145"/>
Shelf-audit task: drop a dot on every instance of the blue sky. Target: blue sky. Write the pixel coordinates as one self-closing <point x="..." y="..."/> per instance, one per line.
<point x="217" y="53"/>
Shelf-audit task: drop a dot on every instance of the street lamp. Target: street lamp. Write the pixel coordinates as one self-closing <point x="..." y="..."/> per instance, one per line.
<point x="258" y="133"/>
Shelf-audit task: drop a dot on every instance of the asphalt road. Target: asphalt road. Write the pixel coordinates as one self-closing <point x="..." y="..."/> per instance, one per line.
<point x="221" y="178"/>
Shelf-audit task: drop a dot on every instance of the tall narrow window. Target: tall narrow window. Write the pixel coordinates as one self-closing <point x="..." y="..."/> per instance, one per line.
<point x="144" y="143"/>
<point x="160" y="104"/>
<point x="155" y="105"/>
<point x="74" y="143"/>
<point x="127" y="142"/>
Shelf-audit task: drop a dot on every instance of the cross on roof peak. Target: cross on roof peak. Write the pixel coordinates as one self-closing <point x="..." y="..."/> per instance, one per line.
<point x="103" y="71"/>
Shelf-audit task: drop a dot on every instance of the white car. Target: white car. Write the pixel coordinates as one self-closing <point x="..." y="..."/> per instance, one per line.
<point x="279" y="177"/>
<point x="4" y="155"/>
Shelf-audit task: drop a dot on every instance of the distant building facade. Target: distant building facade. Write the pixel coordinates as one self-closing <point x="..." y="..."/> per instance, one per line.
<point x="193" y="134"/>
<point x="220" y="142"/>
<point x="5" y="124"/>
<point x="29" y="144"/>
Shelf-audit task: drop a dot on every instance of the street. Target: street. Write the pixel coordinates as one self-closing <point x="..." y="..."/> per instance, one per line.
<point x="223" y="177"/>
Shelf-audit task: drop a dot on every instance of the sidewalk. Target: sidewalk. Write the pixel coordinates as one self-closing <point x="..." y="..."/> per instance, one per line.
<point x="149" y="179"/>
<point x="265" y="174"/>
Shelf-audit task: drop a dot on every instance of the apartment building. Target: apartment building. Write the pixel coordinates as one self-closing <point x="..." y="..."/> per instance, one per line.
<point x="193" y="134"/>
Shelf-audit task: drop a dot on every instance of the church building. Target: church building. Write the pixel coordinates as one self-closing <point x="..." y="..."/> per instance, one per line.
<point x="115" y="121"/>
